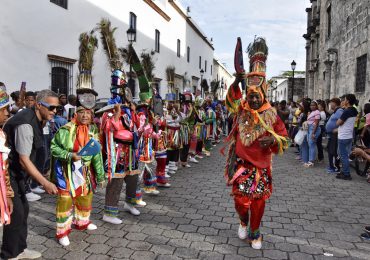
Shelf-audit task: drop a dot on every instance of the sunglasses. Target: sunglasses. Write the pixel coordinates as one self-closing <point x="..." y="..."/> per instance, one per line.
<point x="49" y="107"/>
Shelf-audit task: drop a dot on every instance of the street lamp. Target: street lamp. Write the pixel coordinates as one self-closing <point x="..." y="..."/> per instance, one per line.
<point x="222" y="88"/>
<point x="201" y="82"/>
<point x="131" y="36"/>
<point x="293" y="64"/>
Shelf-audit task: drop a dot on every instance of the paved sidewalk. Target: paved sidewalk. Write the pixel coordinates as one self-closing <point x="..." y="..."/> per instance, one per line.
<point x="310" y="214"/>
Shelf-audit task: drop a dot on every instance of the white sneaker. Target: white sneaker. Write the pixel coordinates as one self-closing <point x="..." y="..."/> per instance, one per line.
<point x="164" y="185"/>
<point x="257" y="243"/>
<point x="152" y="192"/>
<point x="199" y="156"/>
<point x="186" y="165"/>
<point x="171" y="171"/>
<point x="167" y="176"/>
<point x="64" y="241"/>
<point x="172" y="166"/>
<point x="92" y="226"/>
<point x="38" y="190"/>
<point x="192" y="159"/>
<point x="130" y="208"/>
<point x="112" y="220"/>
<point x="242" y="232"/>
<point x="140" y="203"/>
<point x="28" y="254"/>
<point x="32" y="197"/>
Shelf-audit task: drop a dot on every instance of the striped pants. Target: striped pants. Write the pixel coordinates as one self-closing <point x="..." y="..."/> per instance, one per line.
<point x="81" y="205"/>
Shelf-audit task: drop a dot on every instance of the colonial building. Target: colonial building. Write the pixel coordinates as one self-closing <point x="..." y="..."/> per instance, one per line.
<point x="221" y="79"/>
<point x="39" y="42"/>
<point x="281" y="88"/>
<point x="338" y="49"/>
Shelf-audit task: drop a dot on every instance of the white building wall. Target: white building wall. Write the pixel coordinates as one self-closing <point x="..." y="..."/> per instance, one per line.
<point x="33" y="29"/>
<point x="281" y="91"/>
<point x="220" y="73"/>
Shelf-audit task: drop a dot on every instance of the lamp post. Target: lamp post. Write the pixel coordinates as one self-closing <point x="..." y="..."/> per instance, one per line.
<point x="293" y="64"/>
<point x="131" y="36"/>
<point x="201" y="83"/>
<point x="222" y="88"/>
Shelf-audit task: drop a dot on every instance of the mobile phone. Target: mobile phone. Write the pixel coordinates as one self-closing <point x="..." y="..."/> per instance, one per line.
<point x="71" y="113"/>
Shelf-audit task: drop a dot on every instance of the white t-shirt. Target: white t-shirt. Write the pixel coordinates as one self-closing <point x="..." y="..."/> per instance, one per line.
<point x="66" y="110"/>
<point x="322" y="118"/>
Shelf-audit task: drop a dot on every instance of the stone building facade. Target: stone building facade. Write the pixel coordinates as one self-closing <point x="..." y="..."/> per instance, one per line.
<point x="338" y="49"/>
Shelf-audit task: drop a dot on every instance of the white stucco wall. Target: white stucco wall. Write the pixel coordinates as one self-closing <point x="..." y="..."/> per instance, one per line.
<point x="30" y="30"/>
<point x="220" y="72"/>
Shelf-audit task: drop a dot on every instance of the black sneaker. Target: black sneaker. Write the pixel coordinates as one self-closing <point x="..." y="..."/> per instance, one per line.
<point x="341" y="176"/>
<point x="367" y="229"/>
<point x="365" y="236"/>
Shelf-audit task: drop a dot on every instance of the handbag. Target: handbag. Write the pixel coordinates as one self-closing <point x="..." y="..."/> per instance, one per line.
<point x="123" y="136"/>
<point x="300" y="136"/>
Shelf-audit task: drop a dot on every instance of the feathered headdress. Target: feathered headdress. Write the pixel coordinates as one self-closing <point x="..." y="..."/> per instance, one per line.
<point x="170" y="73"/>
<point x="109" y="45"/>
<point x="257" y="53"/>
<point x="84" y="89"/>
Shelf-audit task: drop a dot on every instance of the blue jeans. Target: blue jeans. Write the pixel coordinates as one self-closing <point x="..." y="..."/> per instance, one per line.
<point x="312" y="142"/>
<point x="344" y="147"/>
<point x="303" y="150"/>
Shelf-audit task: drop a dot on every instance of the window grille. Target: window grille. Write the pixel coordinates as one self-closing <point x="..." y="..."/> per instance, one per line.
<point x="361" y="73"/>
<point x="157" y="40"/>
<point x="61" y="74"/>
<point x="61" y="3"/>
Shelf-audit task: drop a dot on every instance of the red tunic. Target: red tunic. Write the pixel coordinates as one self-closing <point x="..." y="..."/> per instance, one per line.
<point x="254" y="153"/>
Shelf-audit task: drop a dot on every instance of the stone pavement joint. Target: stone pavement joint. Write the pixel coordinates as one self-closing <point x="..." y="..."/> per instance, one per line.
<point x="310" y="213"/>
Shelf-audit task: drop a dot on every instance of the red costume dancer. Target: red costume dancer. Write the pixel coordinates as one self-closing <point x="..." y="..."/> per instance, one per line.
<point x="160" y="147"/>
<point x="257" y="132"/>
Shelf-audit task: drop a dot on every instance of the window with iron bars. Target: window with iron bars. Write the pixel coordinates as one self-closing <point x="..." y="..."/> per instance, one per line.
<point x="61" y="3"/>
<point x="61" y="74"/>
<point x="361" y="73"/>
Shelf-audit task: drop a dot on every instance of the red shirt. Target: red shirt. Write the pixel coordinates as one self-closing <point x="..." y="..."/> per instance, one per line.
<point x="258" y="156"/>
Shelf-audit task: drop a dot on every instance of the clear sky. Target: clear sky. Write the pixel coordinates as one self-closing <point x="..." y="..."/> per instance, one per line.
<point x="281" y="22"/>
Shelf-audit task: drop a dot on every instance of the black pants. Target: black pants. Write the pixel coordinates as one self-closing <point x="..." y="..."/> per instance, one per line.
<point x="15" y="234"/>
<point x="184" y="152"/>
<point x="334" y="161"/>
<point x="172" y="156"/>
<point x="320" y="149"/>
<point x="199" y="147"/>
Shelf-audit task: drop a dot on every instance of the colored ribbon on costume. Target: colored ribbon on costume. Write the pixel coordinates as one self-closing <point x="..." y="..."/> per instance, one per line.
<point x="5" y="216"/>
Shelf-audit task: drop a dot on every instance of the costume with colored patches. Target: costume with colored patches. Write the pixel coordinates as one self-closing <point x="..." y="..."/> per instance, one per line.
<point x="248" y="168"/>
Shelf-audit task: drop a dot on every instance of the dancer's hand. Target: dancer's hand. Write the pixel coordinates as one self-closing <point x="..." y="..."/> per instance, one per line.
<point x="266" y="141"/>
<point x="50" y="188"/>
<point x="75" y="157"/>
<point x="239" y="77"/>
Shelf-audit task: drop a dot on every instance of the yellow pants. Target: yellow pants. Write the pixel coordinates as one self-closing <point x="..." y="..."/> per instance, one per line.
<point x="81" y="204"/>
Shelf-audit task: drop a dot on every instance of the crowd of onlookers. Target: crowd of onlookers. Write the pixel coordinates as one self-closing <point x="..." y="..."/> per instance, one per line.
<point x="338" y="124"/>
<point x="342" y="122"/>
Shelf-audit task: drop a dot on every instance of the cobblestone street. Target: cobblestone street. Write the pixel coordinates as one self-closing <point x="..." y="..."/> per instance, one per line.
<point x="311" y="215"/>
